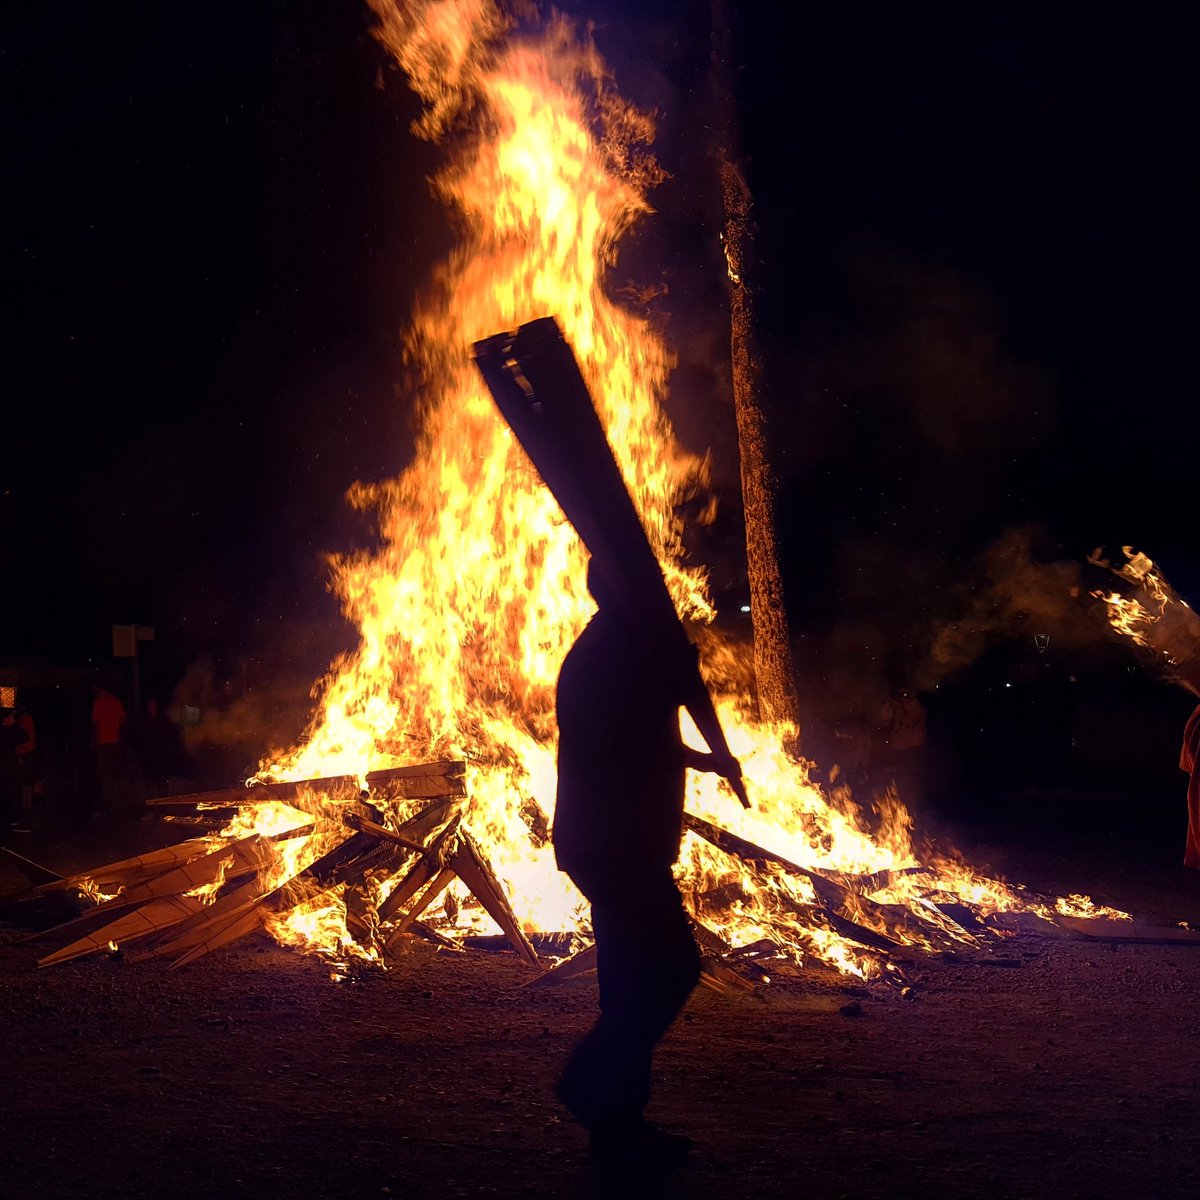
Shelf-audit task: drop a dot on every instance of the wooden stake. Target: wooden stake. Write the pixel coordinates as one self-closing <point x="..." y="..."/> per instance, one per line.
<point x="444" y="878"/>
<point x="477" y="875"/>
<point x="421" y="872"/>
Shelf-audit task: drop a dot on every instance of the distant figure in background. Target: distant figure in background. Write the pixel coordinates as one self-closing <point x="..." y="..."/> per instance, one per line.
<point x="12" y="738"/>
<point x="108" y="748"/>
<point x="902" y="734"/>
<point x="618" y="823"/>
<point x="852" y="748"/>
<point x="1189" y="760"/>
<point x="28" y="769"/>
<point x="161" y="754"/>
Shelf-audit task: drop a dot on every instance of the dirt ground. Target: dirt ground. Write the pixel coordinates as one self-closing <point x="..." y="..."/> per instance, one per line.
<point x="1065" y="1069"/>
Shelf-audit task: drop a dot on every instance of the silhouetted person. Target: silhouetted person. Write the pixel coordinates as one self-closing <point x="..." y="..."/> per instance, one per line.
<point x="28" y="763"/>
<point x="902" y="732"/>
<point x="158" y="744"/>
<point x="617" y="829"/>
<point x="12" y="738"/>
<point x="108" y="747"/>
<point x="1189" y="760"/>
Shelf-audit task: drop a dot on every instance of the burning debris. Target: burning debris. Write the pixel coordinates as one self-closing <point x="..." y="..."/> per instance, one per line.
<point x="348" y="860"/>
<point x="1146" y="609"/>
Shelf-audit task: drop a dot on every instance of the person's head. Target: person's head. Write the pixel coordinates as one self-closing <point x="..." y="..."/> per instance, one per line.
<point x="597" y="585"/>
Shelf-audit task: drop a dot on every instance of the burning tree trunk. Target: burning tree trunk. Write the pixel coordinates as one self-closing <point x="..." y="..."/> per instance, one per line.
<point x="773" y="668"/>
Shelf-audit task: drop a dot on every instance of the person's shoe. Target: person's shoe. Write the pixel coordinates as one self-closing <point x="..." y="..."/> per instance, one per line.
<point x="634" y="1147"/>
<point x="663" y="1145"/>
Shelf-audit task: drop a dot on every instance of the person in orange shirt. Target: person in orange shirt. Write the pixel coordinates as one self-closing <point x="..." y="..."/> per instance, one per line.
<point x="1189" y="760"/>
<point x="108" y="747"/>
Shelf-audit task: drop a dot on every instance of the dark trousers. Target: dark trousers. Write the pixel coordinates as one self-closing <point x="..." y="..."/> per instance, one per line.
<point x="10" y="791"/>
<point x="647" y="965"/>
<point x="109" y="759"/>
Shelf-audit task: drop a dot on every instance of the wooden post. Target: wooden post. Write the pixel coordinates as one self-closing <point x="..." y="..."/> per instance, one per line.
<point x="773" y="666"/>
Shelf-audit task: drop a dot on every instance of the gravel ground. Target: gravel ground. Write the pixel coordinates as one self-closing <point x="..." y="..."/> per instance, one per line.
<point x="1068" y="1072"/>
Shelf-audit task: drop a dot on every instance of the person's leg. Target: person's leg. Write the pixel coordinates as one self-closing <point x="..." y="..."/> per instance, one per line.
<point x="647" y="965"/>
<point x="9" y="789"/>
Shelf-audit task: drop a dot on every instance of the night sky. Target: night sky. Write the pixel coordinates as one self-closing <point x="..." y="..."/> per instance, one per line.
<point x="976" y="249"/>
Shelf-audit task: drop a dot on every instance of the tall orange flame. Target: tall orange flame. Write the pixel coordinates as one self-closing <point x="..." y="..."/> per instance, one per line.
<point x="476" y="590"/>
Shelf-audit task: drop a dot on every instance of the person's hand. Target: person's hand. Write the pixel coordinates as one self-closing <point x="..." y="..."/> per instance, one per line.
<point x="724" y="765"/>
<point x="731" y="771"/>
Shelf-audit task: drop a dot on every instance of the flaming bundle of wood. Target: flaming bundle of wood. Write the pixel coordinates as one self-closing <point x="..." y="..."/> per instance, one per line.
<point x="1149" y="611"/>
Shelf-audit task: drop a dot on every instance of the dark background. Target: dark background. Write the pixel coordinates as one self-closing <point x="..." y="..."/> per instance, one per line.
<point x="975" y="245"/>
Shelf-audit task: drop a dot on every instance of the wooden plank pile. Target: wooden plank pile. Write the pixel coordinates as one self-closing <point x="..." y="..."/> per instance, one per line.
<point x="188" y="899"/>
<point x="185" y="900"/>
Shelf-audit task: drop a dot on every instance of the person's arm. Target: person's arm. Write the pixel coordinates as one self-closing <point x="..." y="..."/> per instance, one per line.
<point x="687" y="668"/>
<point x="699" y="760"/>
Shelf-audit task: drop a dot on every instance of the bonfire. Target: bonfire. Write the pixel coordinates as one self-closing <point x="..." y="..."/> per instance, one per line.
<point x="417" y="804"/>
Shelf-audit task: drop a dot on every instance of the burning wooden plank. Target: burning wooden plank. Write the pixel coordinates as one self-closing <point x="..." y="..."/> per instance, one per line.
<point x="425" y="780"/>
<point x="827" y="889"/>
<point x="474" y="871"/>
<point x="441" y="881"/>
<point x="249" y="921"/>
<point x="153" y="918"/>
<point x="1154" y="616"/>
<point x="423" y="871"/>
<point x="223" y="909"/>
<point x="365" y="825"/>
<point x="135" y="869"/>
<point x="839" y="909"/>
<point x="244" y="910"/>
